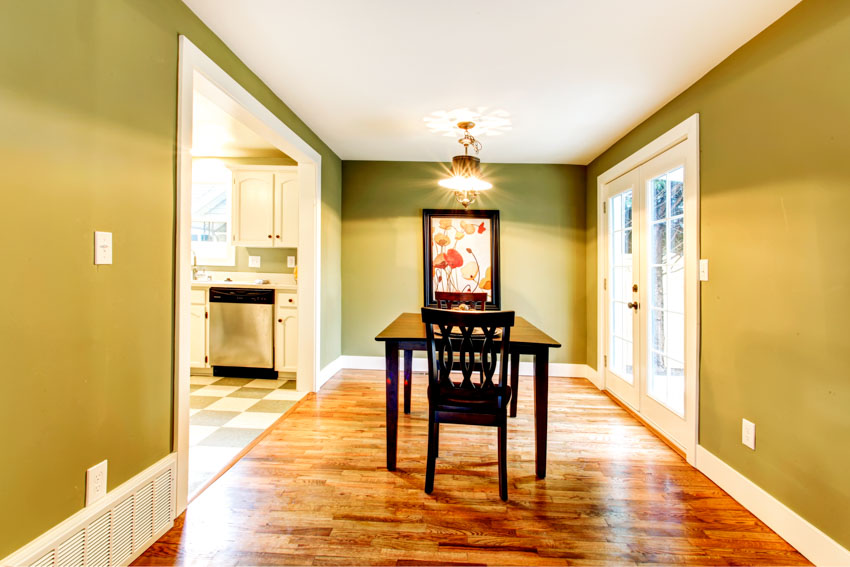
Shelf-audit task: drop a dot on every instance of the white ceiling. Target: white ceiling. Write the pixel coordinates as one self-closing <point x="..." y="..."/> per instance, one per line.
<point x="573" y="75"/>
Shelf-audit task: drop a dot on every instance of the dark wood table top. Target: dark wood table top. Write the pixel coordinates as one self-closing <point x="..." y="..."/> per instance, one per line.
<point x="409" y="327"/>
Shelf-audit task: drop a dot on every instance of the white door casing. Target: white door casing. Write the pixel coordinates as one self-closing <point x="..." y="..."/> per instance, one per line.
<point x="636" y="171"/>
<point x="197" y="71"/>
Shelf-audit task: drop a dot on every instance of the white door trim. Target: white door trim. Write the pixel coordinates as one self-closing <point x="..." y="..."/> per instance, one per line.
<point x="687" y="133"/>
<point x="195" y="68"/>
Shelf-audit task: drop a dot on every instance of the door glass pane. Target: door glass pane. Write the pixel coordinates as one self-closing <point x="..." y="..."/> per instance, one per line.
<point x="620" y="286"/>
<point x="666" y="323"/>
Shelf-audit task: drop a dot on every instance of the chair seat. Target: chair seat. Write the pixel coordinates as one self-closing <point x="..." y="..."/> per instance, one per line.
<point x="490" y="401"/>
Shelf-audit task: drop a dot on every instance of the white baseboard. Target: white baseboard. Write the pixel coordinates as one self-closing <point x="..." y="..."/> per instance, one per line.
<point x="815" y="545"/>
<point x="116" y="529"/>
<point x="328" y="371"/>
<point x="556" y="369"/>
<point x="595" y="378"/>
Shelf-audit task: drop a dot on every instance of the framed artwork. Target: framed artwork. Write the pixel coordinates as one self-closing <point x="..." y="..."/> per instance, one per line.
<point x="461" y="253"/>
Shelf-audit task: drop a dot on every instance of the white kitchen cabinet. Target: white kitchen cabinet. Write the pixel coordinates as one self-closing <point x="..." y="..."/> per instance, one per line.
<point x="286" y="213"/>
<point x="265" y="208"/>
<point x="199" y="330"/>
<point x="286" y="333"/>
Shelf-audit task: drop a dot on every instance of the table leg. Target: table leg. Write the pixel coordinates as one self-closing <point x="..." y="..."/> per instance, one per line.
<point x="514" y="382"/>
<point x="541" y="408"/>
<point x="408" y="378"/>
<point x="392" y="402"/>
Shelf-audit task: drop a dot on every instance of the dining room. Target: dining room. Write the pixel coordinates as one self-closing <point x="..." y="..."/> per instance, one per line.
<point x="566" y="288"/>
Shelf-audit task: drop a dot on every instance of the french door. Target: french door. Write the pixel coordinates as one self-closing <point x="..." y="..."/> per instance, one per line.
<point x="649" y="290"/>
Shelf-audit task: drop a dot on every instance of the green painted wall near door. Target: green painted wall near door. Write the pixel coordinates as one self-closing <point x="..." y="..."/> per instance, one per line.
<point x="88" y="98"/>
<point x="775" y="191"/>
<point x="542" y="246"/>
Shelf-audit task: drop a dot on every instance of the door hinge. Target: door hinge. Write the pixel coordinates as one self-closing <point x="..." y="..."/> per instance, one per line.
<point x="206" y="359"/>
<point x="206" y="314"/>
<point x="604" y="283"/>
<point x="604" y="207"/>
<point x="605" y="358"/>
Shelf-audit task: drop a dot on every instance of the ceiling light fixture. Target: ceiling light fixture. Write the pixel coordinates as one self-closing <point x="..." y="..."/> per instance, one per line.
<point x="465" y="178"/>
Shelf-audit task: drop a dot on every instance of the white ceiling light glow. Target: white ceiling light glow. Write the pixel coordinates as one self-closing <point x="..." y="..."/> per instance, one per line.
<point x="487" y="122"/>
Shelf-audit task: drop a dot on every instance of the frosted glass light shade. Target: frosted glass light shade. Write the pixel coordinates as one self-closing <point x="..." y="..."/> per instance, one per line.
<point x="460" y="183"/>
<point x="466" y="175"/>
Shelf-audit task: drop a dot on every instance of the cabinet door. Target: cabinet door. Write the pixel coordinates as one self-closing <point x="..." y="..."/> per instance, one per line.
<point x="253" y="211"/>
<point x="286" y="210"/>
<point x="286" y="333"/>
<point x="198" y="333"/>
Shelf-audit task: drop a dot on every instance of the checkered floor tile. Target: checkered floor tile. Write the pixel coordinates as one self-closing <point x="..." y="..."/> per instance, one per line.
<point x="226" y="414"/>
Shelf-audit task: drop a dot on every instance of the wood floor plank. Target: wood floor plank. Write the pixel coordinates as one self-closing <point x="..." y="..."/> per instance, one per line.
<point x="316" y="491"/>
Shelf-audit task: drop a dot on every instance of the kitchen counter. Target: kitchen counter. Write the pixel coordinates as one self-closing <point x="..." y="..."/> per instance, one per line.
<point x="284" y="282"/>
<point x="200" y="284"/>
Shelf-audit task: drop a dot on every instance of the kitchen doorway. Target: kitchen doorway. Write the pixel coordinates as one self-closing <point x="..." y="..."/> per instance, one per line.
<point x="649" y="293"/>
<point x="195" y="69"/>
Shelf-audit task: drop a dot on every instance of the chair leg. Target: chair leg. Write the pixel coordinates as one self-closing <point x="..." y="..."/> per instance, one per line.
<point x="436" y="441"/>
<point x="431" y="465"/>
<point x="503" y="461"/>
<point x="514" y="383"/>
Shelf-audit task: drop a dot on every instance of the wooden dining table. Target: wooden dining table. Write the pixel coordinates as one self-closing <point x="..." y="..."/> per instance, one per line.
<point x="407" y="333"/>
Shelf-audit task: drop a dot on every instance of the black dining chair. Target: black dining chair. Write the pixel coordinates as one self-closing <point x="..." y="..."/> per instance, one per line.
<point x="457" y="299"/>
<point x="473" y="300"/>
<point x="478" y="341"/>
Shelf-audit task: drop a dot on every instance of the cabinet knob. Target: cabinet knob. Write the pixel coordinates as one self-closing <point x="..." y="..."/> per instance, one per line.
<point x="277" y="236"/>
<point x="280" y="320"/>
<point x="290" y="300"/>
<point x="270" y="236"/>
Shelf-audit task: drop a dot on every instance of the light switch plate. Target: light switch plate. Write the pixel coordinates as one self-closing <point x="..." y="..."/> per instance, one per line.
<point x="748" y="434"/>
<point x="253" y="261"/>
<point x="95" y="483"/>
<point x="703" y="270"/>
<point x="102" y="247"/>
<point x="290" y="261"/>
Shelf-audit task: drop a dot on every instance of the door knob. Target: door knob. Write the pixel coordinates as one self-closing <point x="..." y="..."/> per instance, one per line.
<point x="633" y="305"/>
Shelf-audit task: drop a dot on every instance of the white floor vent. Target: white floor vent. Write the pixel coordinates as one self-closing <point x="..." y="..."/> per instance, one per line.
<point x="113" y="531"/>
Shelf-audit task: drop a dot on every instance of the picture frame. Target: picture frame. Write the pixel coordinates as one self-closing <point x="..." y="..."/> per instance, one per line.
<point x="461" y="253"/>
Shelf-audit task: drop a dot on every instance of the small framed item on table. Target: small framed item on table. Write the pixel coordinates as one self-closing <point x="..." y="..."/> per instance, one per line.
<point x="461" y="253"/>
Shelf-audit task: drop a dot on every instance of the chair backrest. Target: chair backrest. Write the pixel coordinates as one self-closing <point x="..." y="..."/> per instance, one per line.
<point x="454" y="299"/>
<point x="481" y="339"/>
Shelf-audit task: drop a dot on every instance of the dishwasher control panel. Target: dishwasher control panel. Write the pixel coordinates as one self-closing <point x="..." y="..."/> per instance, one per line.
<point x="241" y="295"/>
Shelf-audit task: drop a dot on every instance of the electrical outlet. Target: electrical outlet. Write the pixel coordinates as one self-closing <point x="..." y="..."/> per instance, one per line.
<point x="748" y="434"/>
<point x="253" y="261"/>
<point x="95" y="483"/>
<point x="290" y="261"/>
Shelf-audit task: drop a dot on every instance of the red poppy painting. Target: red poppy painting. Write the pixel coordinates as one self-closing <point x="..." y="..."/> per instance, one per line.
<point x="461" y="253"/>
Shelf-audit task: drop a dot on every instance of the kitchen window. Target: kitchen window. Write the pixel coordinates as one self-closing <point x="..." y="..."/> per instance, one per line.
<point x="212" y="205"/>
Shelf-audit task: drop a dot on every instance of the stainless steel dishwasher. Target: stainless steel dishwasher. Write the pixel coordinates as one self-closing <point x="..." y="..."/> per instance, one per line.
<point x="241" y="327"/>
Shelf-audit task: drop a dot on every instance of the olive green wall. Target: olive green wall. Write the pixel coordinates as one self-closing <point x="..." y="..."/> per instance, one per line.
<point x="775" y="191"/>
<point x="542" y="246"/>
<point x="88" y="98"/>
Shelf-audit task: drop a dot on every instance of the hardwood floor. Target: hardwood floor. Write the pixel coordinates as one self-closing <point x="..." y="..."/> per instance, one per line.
<point x="316" y="491"/>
